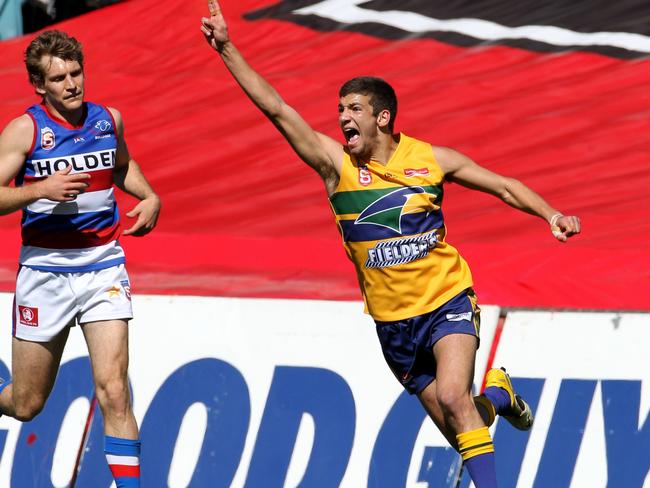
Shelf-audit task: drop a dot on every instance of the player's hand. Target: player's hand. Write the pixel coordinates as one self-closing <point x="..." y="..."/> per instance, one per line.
<point x="146" y="211"/>
<point x="63" y="186"/>
<point x="214" y="28"/>
<point x="565" y="226"/>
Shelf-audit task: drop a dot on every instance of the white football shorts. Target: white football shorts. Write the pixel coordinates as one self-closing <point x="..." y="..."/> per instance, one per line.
<point x="46" y="302"/>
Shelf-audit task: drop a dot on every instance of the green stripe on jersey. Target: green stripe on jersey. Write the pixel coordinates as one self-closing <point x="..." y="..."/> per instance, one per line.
<point x="354" y="202"/>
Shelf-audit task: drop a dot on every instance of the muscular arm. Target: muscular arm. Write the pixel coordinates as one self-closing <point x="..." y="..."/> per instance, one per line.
<point x="461" y="169"/>
<point x="15" y="144"/>
<point x="320" y="152"/>
<point x="129" y="177"/>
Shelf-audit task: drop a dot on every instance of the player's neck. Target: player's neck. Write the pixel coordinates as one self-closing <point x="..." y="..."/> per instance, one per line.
<point x="385" y="148"/>
<point x="73" y="118"/>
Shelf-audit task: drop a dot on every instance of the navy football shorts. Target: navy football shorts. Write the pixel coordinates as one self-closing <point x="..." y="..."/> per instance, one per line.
<point x="408" y="344"/>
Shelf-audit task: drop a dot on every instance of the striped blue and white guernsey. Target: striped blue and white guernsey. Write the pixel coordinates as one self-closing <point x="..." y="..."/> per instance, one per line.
<point x="80" y="235"/>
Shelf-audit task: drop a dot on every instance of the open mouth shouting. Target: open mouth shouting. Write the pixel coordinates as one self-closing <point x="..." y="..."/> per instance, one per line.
<point x="351" y="135"/>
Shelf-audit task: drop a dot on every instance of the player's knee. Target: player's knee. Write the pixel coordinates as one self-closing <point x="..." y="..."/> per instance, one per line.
<point x="113" y="395"/>
<point x="454" y="401"/>
<point x="26" y="408"/>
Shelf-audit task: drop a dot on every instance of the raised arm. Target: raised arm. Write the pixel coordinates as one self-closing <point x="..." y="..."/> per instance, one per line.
<point x="15" y="144"/>
<point x="461" y="169"/>
<point x="320" y="152"/>
<point x="128" y="177"/>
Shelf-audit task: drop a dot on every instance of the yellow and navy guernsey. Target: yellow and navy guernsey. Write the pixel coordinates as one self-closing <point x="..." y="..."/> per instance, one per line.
<point x="394" y="232"/>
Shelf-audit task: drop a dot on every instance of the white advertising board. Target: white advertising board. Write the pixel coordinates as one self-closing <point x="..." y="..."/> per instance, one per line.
<point x="587" y="375"/>
<point x="286" y="393"/>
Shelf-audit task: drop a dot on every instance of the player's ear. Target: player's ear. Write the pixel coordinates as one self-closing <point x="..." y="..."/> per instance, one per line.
<point x="383" y="118"/>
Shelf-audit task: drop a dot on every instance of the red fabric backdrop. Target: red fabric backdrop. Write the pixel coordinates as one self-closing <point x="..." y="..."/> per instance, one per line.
<point x="243" y="216"/>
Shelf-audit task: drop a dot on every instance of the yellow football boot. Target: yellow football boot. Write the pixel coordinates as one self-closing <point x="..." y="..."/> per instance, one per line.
<point x="519" y="414"/>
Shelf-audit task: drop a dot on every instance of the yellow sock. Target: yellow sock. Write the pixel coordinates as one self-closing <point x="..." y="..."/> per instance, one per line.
<point x="474" y="443"/>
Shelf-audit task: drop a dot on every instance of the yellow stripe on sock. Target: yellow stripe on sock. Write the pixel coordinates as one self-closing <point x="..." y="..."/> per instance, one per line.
<point x="474" y="443"/>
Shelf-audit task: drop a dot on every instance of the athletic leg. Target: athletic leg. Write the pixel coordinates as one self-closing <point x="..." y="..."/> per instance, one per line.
<point x="43" y="311"/>
<point x="108" y="348"/>
<point x="33" y="368"/>
<point x="429" y="399"/>
<point x="450" y="399"/>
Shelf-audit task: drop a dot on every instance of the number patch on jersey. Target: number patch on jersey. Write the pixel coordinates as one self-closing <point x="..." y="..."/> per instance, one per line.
<point x="365" y="176"/>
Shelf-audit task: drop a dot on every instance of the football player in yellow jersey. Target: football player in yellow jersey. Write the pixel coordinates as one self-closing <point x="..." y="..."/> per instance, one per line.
<point x="393" y="232"/>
